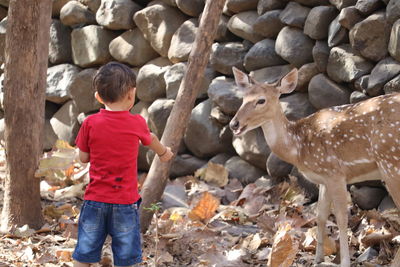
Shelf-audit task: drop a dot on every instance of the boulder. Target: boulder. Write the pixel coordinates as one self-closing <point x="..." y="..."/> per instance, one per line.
<point x="367" y="7"/>
<point x="294" y="14"/>
<point x="56" y="7"/>
<point x="386" y="204"/>
<point x="159" y="112"/>
<point x="252" y="147"/>
<point x="320" y="55"/>
<point x="223" y="33"/>
<point x="310" y="189"/>
<point x="3" y="12"/>
<point x="159" y="22"/>
<point x="141" y="108"/>
<point x="370" y="37"/>
<point x="349" y="16"/>
<point x="312" y="3"/>
<point x="294" y="46"/>
<point x="82" y="91"/>
<point x="268" y="5"/>
<point x="59" y="80"/>
<point x="224" y="93"/>
<point x="394" y="42"/>
<point x="243" y="171"/>
<point x="393" y="86"/>
<point x="185" y="164"/>
<point x="150" y="83"/>
<point x="361" y="84"/>
<point x="76" y="14"/>
<point x="296" y="106"/>
<point x="219" y="116"/>
<point x="227" y="55"/>
<point x="168" y="2"/>
<point x="191" y="7"/>
<point x="90" y="45"/>
<point x="357" y="96"/>
<point x="337" y="34"/>
<point x="93" y="5"/>
<point x="383" y="72"/>
<point x="305" y="73"/>
<point x="278" y="168"/>
<point x="65" y="124"/>
<point x="237" y="6"/>
<point x="269" y="24"/>
<point x="182" y="41"/>
<point x="50" y="109"/>
<point x="117" y="14"/>
<point x="60" y="50"/>
<point x="270" y="74"/>
<point x="131" y="47"/>
<point x="366" y="197"/>
<point x="221" y="158"/>
<point x="318" y="20"/>
<point x="393" y="11"/>
<point x="202" y="130"/>
<point x="345" y="66"/>
<point x="262" y="55"/>
<point x="241" y="25"/>
<point x="340" y="4"/>
<point x="49" y="137"/>
<point x="324" y="93"/>
<point x="174" y="196"/>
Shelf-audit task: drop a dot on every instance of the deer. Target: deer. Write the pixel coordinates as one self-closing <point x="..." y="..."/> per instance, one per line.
<point x="332" y="147"/>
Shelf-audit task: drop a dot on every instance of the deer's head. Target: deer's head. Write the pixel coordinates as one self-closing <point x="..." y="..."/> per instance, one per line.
<point x="260" y="100"/>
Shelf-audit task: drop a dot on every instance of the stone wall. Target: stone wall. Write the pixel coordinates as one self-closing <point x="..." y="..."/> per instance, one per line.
<point x="345" y="50"/>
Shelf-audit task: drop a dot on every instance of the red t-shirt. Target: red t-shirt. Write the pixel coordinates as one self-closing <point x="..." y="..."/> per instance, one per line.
<point x="112" y="140"/>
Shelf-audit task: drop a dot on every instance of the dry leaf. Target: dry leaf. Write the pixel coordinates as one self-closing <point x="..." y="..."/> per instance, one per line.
<point x="310" y="242"/>
<point x="205" y="209"/>
<point x="214" y="174"/>
<point x="64" y="254"/>
<point x="284" y="249"/>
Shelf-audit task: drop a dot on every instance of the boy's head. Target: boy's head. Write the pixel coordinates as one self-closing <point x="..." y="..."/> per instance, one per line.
<point x="113" y="81"/>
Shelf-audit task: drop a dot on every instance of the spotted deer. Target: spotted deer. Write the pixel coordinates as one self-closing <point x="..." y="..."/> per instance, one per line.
<point x="332" y="147"/>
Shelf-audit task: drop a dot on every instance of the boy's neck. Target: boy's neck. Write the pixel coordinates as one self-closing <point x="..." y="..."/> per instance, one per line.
<point x="116" y="107"/>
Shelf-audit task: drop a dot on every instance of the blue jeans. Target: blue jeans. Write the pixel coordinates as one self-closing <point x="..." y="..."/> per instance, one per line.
<point x="120" y="221"/>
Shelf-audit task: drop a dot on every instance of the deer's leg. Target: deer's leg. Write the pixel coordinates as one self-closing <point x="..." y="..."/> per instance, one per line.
<point x="323" y="209"/>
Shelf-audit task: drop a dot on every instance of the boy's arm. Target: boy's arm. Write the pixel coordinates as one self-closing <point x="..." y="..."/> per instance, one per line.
<point x="84" y="156"/>
<point x="162" y="151"/>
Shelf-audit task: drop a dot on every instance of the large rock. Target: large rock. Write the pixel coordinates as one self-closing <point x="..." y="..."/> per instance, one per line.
<point x="320" y="54"/>
<point x="370" y="37"/>
<point x="158" y="23"/>
<point x="141" y="108"/>
<point x="59" y="80"/>
<point x="253" y="148"/>
<point x="185" y="164"/>
<point x="318" y="21"/>
<point x="159" y="112"/>
<point x="305" y="73"/>
<point x="357" y="96"/>
<point x="268" y="5"/>
<point x="392" y="86"/>
<point x="324" y="93"/>
<point x="65" y="124"/>
<point x="367" y="7"/>
<point x="393" y="11"/>
<point x="60" y="50"/>
<point x="278" y="168"/>
<point x="383" y="72"/>
<point x="349" y="17"/>
<point x="270" y="74"/>
<point x="150" y="83"/>
<point x="294" y="14"/>
<point x="227" y="55"/>
<point x="182" y="41"/>
<point x="117" y="14"/>
<point x="339" y="4"/>
<point x="93" y="5"/>
<point x="224" y="93"/>
<point x="312" y="3"/>
<point x="366" y="197"/>
<point x="337" y="34"/>
<point x="262" y="55"/>
<point x="131" y="47"/>
<point x="241" y="25"/>
<point x="223" y="33"/>
<point x="345" y="66"/>
<point x="90" y="45"/>
<point x="56" y="6"/>
<point x="296" y="106"/>
<point x="294" y="46"/>
<point x="202" y="130"/>
<point x="191" y="7"/>
<point x="243" y="171"/>
<point x="237" y="6"/>
<point x="269" y="24"/>
<point x="49" y="137"/>
<point x="82" y="91"/>
<point x="76" y="14"/>
<point x="394" y="42"/>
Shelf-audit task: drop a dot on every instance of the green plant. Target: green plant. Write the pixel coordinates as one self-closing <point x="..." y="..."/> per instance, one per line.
<point x="155" y="208"/>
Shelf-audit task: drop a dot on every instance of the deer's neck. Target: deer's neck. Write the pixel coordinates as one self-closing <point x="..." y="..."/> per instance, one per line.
<point x="279" y="138"/>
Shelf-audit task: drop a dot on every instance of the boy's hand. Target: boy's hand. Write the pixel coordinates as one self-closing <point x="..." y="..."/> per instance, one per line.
<point x="167" y="155"/>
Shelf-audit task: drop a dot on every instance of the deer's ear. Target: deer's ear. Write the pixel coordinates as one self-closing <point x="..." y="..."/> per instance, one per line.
<point x="288" y="83"/>
<point x="241" y="78"/>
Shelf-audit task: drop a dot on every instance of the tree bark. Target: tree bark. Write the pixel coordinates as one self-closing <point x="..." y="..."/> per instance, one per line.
<point x="26" y="56"/>
<point x="156" y="180"/>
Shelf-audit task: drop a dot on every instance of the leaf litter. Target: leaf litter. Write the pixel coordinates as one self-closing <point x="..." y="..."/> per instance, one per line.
<point x="219" y="223"/>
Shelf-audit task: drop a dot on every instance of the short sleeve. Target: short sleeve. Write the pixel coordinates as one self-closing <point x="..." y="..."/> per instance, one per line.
<point x="82" y="140"/>
<point x="144" y="134"/>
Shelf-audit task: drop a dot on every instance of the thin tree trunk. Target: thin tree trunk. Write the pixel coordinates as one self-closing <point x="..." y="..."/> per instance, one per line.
<point x="155" y="183"/>
<point x="26" y="56"/>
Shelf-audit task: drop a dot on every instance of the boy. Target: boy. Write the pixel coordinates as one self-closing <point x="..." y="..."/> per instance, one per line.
<point x="109" y="140"/>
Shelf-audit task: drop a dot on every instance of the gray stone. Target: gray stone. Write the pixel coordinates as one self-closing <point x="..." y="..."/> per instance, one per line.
<point x="169" y="2"/>
<point x="294" y="46"/>
<point x="345" y="66"/>
<point x="394" y="42"/>
<point x="223" y="33"/>
<point x="90" y="45"/>
<point x="361" y="84"/>
<point x="337" y="34"/>
<point x="56" y="7"/>
<point x="159" y="112"/>
<point x="324" y="93"/>
<point x="182" y="41"/>
<point x="269" y="24"/>
<point x="174" y="196"/>
<point x="320" y="55"/>
<point x="74" y="14"/>
<point x="296" y="106"/>
<point x="305" y="73"/>
<point x="294" y="14"/>
<point x="313" y="3"/>
<point x="65" y="124"/>
<point x="49" y="138"/>
<point x="159" y="22"/>
<point x="237" y="6"/>
<point x="131" y="47"/>
<point x="227" y="55"/>
<point x="387" y="203"/>
<point x="191" y="7"/>
<point x="310" y="189"/>
<point x="59" y="80"/>
<point x="268" y="5"/>
<point x="367" y="7"/>
<point x="150" y="83"/>
<point x="278" y="168"/>
<point x="370" y="37"/>
<point x="367" y="255"/>
<point x="3" y="12"/>
<point x="367" y="198"/>
<point x="357" y="96"/>
<point x="50" y="109"/>
<point x="262" y="55"/>
<point x="219" y="116"/>
<point x="185" y="164"/>
<point x="82" y="91"/>
<point x="392" y="86"/>
<point x="141" y="108"/>
<point x="202" y="130"/>
<point x="241" y="25"/>
<point x="4" y="3"/>
<point x="339" y="4"/>
<point x="60" y="50"/>
<point x="393" y="11"/>
<point x="93" y="5"/>
<point x="243" y="171"/>
<point x="224" y="93"/>
<point x="383" y="72"/>
<point x="318" y="21"/>
<point x="117" y="14"/>
<point x="270" y="74"/>
<point x="349" y="16"/>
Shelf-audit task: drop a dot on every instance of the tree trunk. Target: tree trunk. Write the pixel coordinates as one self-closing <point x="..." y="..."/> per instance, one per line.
<point x="155" y="183"/>
<point x="26" y="56"/>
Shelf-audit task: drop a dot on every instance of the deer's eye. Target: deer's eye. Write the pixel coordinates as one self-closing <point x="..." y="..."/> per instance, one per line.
<point x="260" y="101"/>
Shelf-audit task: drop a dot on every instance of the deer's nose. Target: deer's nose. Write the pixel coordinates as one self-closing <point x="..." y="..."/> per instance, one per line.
<point x="234" y="125"/>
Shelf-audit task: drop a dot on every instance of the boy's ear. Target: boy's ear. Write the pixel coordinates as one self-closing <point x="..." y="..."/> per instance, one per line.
<point x="98" y="98"/>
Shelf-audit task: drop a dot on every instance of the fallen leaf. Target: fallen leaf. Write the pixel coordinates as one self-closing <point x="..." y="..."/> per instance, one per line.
<point x="64" y="254"/>
<point x="284" y="249"/>
<point x="205" y="208"/>
<point x="214" y="174"/>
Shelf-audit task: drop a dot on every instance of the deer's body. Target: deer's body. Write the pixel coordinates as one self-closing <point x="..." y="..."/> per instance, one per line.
<point x="332" y="147"/>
